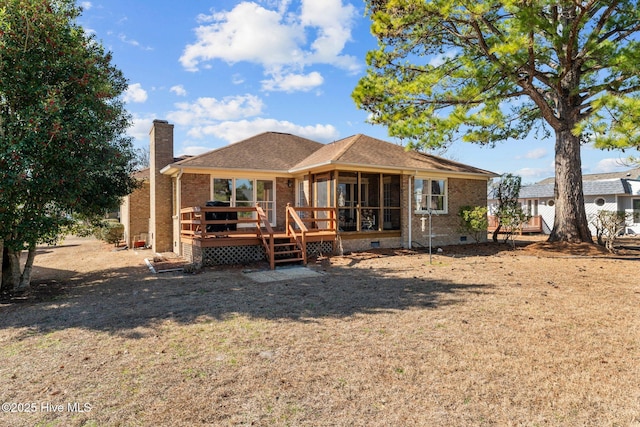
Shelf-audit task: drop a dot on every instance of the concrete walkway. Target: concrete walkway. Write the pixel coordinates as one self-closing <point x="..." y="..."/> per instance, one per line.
<point x="281" y="273"/>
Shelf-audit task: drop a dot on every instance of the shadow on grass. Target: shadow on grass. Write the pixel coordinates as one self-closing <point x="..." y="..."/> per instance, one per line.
<point x="120" y="301"/>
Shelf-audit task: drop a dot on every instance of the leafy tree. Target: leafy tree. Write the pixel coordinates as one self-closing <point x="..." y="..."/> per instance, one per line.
<point x="143" y="157"/>
<point x="506" y="191"/>
<point x="513" y="218"/>
<point x="609" y="225"/>
<point x="489" y="71"/>
<point x="62" y="124"/>
<point x="473" y="220"/>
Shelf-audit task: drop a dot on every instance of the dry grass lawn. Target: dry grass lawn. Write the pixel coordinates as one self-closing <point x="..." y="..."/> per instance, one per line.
<point x="481" y="336"/>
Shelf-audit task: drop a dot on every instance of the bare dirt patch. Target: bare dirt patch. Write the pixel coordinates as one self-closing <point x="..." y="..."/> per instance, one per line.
<point x="476" y="335"/>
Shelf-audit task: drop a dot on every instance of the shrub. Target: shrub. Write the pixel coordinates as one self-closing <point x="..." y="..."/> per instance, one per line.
<point x="609" y="225"/>
<point x="474" y="221"/>
<point x="111" y="231"/>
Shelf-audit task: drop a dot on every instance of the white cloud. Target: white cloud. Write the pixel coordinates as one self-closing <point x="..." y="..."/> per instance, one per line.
<point x="534" y="174"/>
<point x="194" y="150"/>
<point x="248" y="32"/>
<point x="237" y="79"/>
<point x="207" y="110"/>
<point x="135" y="93"/>
<point x="178" y="90"/>
<point x="140" y="128"/>
<point x="609" y="165"/>
<point x="86" y="5"/>
<point x="538" y="153"/>
<point x="438" y="60"/>
<point x="283" y="40"/>
<point x="233" y="131"/>
<point x="123" y="38"/>
<point x="333" y="22"/>
<point x="293" y="82"/>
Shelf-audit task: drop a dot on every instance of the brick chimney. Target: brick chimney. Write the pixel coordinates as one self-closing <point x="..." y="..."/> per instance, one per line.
<point x="161" y="198"/>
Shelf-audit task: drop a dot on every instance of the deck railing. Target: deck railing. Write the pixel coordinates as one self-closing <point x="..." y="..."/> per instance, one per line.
<point x="297" y="230"/>
<point x="222" y="226"/>
<point x="266" y="234"/>
<point x="227" y="222"/>
<point x="533" y="225"/>
<point x="315" y="219"/>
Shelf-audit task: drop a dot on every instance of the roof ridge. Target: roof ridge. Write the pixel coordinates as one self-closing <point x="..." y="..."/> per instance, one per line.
<point x="229" y="145"/>
<point x="348" y="145"/>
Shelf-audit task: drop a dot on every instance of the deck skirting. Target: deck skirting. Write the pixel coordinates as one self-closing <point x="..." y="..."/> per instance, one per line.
<point x="195" y="253"/>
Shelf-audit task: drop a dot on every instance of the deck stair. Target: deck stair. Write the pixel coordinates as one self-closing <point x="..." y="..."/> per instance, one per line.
<point x="303" y="225"/>
<point x="286" y="250"/>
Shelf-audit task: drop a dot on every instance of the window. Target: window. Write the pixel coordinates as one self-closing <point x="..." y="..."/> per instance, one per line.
<point x="222" y="190"/>
<point x="303" y="192"/>
<point x="368" y="201"/>
<point x="551" y="202"/>
<point x="391" y="202"/>
<point x="636" y="211"/>
<point x="599" y="201"/>
<point x="265" y="198"/>
<point x="246" y="193"/>
<point x="430" y="195"/>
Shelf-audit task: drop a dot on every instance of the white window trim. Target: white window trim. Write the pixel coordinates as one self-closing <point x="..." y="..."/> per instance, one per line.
<point x="255" y="191"/>
<point x="446" y="196"/>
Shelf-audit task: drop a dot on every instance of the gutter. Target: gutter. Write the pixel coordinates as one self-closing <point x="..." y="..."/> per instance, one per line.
<point x="395" y="169"/>
<point x="169" y="170"/>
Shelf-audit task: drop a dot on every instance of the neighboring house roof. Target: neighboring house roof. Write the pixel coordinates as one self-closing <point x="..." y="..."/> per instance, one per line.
<point x="362" y="150"/>
<point x="629" y="174"/>
<point x="145" y="174"/>
<point x="602" y="187"/>
<point x="142" y="174"/>
<point x="268" y="151"/>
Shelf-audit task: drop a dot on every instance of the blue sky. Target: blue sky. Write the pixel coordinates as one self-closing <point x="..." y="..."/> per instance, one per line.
<point x="222" y="71"/>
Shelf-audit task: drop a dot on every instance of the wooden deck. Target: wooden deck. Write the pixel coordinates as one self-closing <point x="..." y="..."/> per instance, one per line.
<point x="251" y="238"/>
<point x="208" y="227"/>
<point x="533" y="225"/>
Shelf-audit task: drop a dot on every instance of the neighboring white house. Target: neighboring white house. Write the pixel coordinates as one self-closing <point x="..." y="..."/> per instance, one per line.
<point x="611" y="191"/>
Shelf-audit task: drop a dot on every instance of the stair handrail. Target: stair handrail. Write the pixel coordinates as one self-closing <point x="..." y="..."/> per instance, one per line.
<point x="263" y="221"/>
<point x="300" y="240"/>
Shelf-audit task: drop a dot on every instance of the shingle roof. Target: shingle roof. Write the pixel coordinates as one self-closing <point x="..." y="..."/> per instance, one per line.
<point x="590" y="188"/>
<point x="281" y="152"/>
<point x="269" y="151"/>
<point x="535" y="191"/>
<point x="145" y="174"/>
<point x="630" y="174"/>
<point x="364" y="150"/>
<point x="142" y="174"/>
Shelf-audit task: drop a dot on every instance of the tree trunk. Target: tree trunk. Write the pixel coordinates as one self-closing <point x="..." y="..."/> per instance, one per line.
<point x="2" y="266"/>
<point x="7" y="278"/>
<point x="497" y="231"/>
<point x="11" y="270"/>
<point x="25" y="278"/>
<point x="570" y="223"/>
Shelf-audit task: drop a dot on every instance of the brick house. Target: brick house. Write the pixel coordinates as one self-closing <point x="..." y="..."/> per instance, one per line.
<point x="369" y="192"/>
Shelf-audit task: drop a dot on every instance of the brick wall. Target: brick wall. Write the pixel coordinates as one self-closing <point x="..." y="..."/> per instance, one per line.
<point x="195" y="190"/>
<point x="135" y="214"/>
<point x="161" y="155"/>
<point x="445" y="227"/>
<point x="284" y="195"/>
